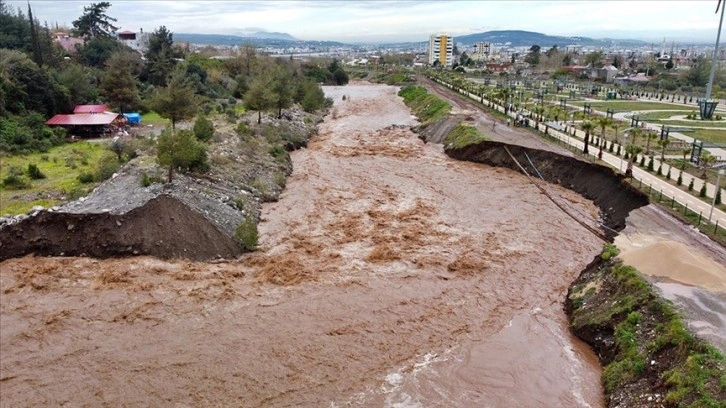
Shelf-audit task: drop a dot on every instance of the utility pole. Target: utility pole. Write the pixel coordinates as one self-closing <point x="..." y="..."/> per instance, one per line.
<point x="707" y="106"/>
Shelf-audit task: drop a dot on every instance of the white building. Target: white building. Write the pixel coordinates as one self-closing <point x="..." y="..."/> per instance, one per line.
<point x="482" y="51"/>
<point x="441" y="49"/>
<point x="136" y="41"/>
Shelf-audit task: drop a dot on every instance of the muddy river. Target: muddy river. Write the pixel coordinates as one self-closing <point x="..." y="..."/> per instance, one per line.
<point x="388" y="275"/>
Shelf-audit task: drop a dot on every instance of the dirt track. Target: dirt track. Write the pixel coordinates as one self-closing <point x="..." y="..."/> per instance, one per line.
<point x="388" y="274"/>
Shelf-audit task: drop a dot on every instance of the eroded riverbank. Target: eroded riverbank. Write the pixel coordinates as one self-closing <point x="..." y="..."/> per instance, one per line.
<point x="388" y="274"/>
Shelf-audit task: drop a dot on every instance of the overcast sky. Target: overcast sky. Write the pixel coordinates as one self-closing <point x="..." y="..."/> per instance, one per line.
<point x="406" y="20"/>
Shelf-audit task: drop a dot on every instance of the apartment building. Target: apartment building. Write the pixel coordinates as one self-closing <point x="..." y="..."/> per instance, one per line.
<point x="441" y="49"/>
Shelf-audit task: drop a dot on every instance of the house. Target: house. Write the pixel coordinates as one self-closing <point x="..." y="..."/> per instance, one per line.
<point x="136" y="41"/>
<point x="67" y="42"/>
<point x="89" y="124"/>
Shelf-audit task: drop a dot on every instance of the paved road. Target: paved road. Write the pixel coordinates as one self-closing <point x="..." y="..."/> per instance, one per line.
<point x="648" y="179"/>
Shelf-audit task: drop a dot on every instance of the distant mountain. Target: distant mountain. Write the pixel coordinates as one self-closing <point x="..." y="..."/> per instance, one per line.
<point x="267" y="39"/>
<point x="519" y="38"/>
<point x="266" y="34"/>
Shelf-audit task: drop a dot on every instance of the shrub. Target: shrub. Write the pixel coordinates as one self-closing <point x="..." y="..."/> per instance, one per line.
<point x="34" y="172"/>
<point x="85" y="178"/>
<point x="15" y="179"/>
<point x="246" y="233"/>
<point x="690" y="185"/>
<point x="107" y="165"/>
<point x="680" y="179"/>
<point x="718" y="196"/>
<point x="203" y="128"/>
<point x="702" y="192"/>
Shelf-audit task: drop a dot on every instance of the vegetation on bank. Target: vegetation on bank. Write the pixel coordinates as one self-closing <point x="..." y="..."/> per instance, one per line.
<point x="642" y="341"/>
<point x="427" y="107"/>
<point x="463" y="135"/>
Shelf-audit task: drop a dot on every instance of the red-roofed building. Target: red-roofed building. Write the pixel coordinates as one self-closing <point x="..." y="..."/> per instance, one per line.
<point x="90" y="109"/>
<point x="89" y="124"/>
<point x="67" y="42"/>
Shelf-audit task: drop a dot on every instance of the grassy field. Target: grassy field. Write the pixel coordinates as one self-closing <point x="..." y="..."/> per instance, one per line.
<point x="685" y="124"/>
<point x="661" y="115"/>
<point x="61" y="166"/>
<point x="153" y="118"/>
<point x="627" y="106"/>
<point x="708" y="135"/>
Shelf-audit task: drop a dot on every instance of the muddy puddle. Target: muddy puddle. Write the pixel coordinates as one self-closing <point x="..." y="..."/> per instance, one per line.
<point x="388" y="275"/>
<point x="684" y="265"/>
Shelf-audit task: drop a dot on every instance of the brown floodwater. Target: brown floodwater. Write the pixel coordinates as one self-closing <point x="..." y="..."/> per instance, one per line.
<point x="388" y="275"/>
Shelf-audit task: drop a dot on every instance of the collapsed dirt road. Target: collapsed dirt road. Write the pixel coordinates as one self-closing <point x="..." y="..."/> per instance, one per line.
<point x="388" y="275"/>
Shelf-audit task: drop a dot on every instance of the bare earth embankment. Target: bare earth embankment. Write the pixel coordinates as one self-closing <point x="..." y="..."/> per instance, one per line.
<point x="388" y="275"/>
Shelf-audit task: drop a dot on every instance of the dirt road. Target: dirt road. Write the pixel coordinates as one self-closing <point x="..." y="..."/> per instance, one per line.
<point x="388" y="275"/>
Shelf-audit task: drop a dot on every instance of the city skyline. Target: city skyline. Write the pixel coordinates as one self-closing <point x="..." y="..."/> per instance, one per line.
<point x="414" y="20"/>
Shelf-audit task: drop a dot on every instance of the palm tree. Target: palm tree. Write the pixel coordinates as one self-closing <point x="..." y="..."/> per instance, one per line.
<point x="663" y="146"/>
<point x="633" y="149"/>
<point x="648" y="137"/>
<point x="587" y="126"/>
<point x="707" y="160"/>
<point x="684" y="152"/>
<point x="603" y="122"/>
<point x="615" y="126"/>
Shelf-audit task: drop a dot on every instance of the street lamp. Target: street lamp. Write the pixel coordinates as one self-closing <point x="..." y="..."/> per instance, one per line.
<point x="708" y="105"/>
<point x="715" y="192"/>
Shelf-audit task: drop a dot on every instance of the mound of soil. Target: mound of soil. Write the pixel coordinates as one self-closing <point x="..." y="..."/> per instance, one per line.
<point x="615" y="198"/>
<point x="163" y="227"/>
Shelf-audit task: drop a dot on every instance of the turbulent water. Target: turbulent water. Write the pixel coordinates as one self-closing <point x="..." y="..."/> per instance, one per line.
<point x="388" y="275"/>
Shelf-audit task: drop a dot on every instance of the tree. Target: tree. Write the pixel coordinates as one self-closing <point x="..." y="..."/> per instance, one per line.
<point x="633" y="149"/>
<point x="532" y="58"/>
<point x="80" y="82"/>
<point x="37" y="56"/>
<point x="177" y="101"/>
<point x="707" y="161"/>
<point x="567" y="60"/>
<point x="648" y="137"/>
<point x="94" y="22"/>
<point x="203" y="128"/>
<point x="603" y="122"/>
<point x="180" y="151"/>
<point x="160" y="56"/>
<point x="259" y="97"/>
<point x="552" y="51"/>
<point x="587" y="126"/>
<point x="119" y="84"/>
<point x="663" y="143"/>
<point x="594" y="59"/>
<point x="282" y="89"/>
<point x="684" y="152"/>
<point x="96" y="52"/>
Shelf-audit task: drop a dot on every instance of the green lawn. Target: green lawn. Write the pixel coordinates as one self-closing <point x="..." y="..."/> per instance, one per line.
<point x="686" y="124"/>
<point x="627" y="106"/>
<point x="708" y="135"/>
<point x="153" y="118"/>
<point x="61" y="166"/>
<point x="662" y="115"/>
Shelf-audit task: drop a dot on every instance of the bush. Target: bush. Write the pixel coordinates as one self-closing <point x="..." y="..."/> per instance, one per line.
<point x="702" y="192"/>
<point x="107" y="165"/>
<point x="246" y="233"/>
<point x="203" y="129"/>
<point x="718" y="196"/>
<point x="85" y="178"/>
<point x="147" y="180"/>
<point x="680" y="179"/>
<point x="690" y="185"/>
<point x="15" y="179"/>
<point x="34" y="172"/>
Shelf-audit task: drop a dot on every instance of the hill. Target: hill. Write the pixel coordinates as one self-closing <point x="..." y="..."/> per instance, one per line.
<point x="519" y="38"/>
<point x="280" y="40"/>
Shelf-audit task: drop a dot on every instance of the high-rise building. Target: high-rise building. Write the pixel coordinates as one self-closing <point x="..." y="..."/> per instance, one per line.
<point x="441" y="49"/>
